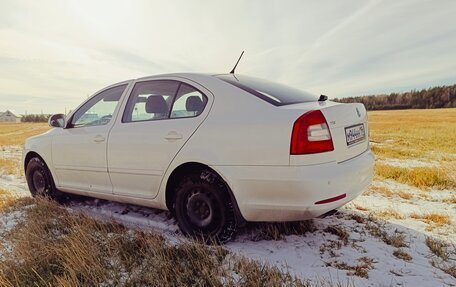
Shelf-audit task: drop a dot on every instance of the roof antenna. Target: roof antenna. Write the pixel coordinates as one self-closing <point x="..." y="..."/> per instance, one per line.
<point x="232" y="71"/>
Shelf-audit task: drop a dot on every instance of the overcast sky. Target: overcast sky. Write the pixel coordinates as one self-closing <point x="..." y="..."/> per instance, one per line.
<point x="54" y="54"/>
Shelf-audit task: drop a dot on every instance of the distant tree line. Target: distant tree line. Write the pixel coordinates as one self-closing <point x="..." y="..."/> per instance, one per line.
<point x="35" y="118"/>
<point x="432" y="98"/>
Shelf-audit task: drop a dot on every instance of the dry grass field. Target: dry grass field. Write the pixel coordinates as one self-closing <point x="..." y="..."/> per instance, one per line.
<point x="410" y="206"/>
<point x="15" y="134"/>
<point x="416" y="147"/>
<point x="410" y="134"/>
<point x="12" y="137"/>
<point x="77" y="250"/>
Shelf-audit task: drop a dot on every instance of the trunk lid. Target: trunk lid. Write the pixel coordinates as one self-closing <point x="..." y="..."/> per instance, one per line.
<point x="348" y="126"/>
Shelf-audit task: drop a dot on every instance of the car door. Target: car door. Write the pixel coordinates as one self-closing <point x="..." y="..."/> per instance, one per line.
<point x="159" y="117"/>
<point x="79" y="150"/>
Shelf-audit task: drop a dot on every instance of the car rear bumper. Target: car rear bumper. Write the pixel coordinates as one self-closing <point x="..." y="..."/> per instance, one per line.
<point x="289" y="193"/>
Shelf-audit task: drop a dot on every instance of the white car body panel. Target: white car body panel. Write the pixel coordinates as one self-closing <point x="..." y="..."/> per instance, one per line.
<point x="236" y="143"/>
<point x="84" y="168"/>
<point x="288" y="193"/>
<point x="79" y="156"/>
<point x="244" y="139"/>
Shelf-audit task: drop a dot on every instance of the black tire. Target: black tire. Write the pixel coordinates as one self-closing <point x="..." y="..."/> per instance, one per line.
<point x="40" y="181"/>
<point x="203" y="208"/>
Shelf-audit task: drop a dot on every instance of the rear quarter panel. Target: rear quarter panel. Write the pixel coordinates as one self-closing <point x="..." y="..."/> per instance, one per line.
<point x="240" y="130"/>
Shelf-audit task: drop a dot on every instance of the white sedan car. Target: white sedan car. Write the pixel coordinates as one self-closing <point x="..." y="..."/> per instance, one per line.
<point x="215" y="150"/>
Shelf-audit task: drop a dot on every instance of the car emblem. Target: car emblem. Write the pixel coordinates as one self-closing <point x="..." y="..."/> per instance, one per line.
<point x="359" y="114"/>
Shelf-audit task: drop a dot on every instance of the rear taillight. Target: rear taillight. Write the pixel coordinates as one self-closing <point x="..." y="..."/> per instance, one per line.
<point x="311" y="134"/>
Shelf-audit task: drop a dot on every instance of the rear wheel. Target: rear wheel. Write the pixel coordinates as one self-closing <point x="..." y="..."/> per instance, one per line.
<point x="40" y="182"/>
<point x="203" y="208"/>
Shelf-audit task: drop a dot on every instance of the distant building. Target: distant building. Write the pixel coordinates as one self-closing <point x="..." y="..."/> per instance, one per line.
<point x="10" y="117"/>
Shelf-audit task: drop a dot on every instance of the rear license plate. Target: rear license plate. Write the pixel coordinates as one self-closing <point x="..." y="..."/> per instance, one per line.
<point x="355" y="134"/>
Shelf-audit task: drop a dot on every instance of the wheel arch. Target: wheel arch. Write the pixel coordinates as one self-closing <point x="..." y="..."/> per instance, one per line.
<point x="29" y="156"/>
<point x="185" y="168"/>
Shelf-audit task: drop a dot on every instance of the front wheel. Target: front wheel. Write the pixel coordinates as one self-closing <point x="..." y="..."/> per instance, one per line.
<point x="40" y="182"/>
<point x="203" y="208"/>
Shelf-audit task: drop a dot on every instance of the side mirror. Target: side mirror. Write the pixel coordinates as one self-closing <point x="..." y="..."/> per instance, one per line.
<point x="57" y="121"/>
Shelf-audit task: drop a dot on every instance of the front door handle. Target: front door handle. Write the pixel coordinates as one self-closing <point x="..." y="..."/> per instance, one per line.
<point x="171" y="136"/>
<point x="98" y="139"/>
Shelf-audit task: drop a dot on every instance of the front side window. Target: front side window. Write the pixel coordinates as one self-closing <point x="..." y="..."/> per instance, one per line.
<point x="99" y="109"/>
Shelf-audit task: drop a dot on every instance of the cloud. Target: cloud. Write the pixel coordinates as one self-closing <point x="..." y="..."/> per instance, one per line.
<point x="54" y="54"/>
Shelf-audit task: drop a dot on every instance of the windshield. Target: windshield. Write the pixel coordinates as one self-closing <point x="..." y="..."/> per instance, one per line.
<point x="273" y="93"/>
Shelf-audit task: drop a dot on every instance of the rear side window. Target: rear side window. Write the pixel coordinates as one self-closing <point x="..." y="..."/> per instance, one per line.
<point x="150" y="100"/>
<point x="189" y="102"/>
<point x="273" y="93"/>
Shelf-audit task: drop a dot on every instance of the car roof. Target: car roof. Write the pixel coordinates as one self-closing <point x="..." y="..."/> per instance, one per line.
<point x="190" y="76"/>
<point x="178" y="75"/>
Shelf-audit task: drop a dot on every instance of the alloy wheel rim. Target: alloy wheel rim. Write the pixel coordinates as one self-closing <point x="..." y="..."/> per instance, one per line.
<point x="199" y="209"/>
<point x="39" y="182"/>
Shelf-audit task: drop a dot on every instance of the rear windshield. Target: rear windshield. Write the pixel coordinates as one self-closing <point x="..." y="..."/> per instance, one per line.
<point x="276" y="94"/>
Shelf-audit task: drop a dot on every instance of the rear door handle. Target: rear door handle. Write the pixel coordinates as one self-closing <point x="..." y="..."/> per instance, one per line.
<point x="173" y="136"/>
<point x="98" y="139"/>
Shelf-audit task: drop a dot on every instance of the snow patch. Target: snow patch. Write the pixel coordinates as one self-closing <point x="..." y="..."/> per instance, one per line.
<point x="422" y="202"/>
<point x="129" y="215"/>
<point x="8" y="221"/>
<point x="407" y="163"/>
<point x="11" y="152"/>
